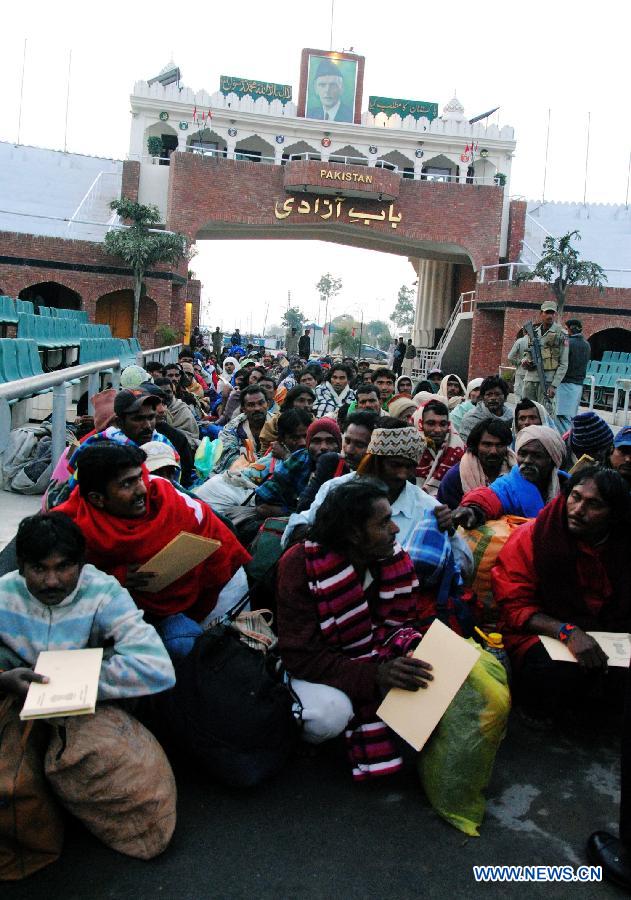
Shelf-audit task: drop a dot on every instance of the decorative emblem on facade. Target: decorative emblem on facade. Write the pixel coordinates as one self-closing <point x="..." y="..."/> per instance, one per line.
<point x="419" y="154"/>
<point x="326" y="142"/>
<point x="232" y="132"/>
<point x="183" y="126"/>
<point x="372" y="149"/>
<point x="164" y="116"/>
<point x="280" y="138"/>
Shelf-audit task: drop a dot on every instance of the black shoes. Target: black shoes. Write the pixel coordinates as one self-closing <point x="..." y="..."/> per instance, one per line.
<point x="605" y="850"/>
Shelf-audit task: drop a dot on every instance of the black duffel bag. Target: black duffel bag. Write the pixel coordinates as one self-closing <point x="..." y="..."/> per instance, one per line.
<point x="229" y="709"/>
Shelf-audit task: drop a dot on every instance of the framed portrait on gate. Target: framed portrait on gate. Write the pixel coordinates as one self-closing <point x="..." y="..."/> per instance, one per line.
<point x="331" y="86"/>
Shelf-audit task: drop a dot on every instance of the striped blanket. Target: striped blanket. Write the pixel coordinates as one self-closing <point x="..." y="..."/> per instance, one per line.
<point x="348" y="623"/>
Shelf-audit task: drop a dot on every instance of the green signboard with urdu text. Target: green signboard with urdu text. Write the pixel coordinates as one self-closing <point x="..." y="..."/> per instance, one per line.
<point x="391" y="106"/>
<point x="242" y="86"/>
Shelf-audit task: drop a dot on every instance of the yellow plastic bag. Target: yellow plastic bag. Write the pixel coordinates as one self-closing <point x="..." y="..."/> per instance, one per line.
<point x="455" y="766"/>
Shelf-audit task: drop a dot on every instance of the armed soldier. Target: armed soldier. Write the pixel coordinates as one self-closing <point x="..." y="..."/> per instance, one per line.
<point x="553" y="342"/>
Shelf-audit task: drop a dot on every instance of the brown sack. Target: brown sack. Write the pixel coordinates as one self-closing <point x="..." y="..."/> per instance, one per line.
<point x="113" y="775"/>
<point x="31" y="825"/>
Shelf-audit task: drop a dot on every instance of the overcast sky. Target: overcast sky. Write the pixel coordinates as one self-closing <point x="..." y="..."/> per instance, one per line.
<point x="571" y="57"/>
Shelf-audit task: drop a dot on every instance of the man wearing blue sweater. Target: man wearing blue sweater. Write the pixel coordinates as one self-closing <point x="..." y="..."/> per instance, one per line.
<point x="55" y="602"/>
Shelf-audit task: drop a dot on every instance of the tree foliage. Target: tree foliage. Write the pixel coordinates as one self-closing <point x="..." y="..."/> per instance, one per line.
<point x="342" y="339"/>
<point x="560" y="266"/>
<point x="328" y="286"/>
<point x="293" y="318"/>
<point x="405" y="308"/>
<point x="140" y="247"/>
<point x="379" y="333"/>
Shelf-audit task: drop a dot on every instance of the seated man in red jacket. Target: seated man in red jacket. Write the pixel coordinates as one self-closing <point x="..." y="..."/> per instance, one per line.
<point x="127" y="515"/>
<point x="564" y="574"/>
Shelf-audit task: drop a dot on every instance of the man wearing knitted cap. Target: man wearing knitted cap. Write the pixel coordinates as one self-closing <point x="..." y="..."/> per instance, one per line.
<point x="589" y="436"/>
<point x="526" y="489"/>
<point x="392" y="456"/>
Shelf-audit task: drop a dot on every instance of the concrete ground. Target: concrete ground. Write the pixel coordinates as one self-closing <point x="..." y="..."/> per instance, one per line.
<point x="312" y="833"/>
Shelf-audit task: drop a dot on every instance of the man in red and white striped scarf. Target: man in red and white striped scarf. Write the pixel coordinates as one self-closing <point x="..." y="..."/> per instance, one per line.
<point x="347" y="600"/>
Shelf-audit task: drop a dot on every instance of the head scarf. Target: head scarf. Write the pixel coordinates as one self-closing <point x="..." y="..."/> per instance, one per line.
<point x="133" y="376"/>
<point x="554" y="447"/>
<point x="451" y="402"/>
<point x="404" y="442"/>
<point x="400" y="405"/>
<point x="473" y="384"/>
<point x="549" y="437"/>
<point x="400" y="378"/>
<point x="104" y="414"/>
<point x="324" y="424"/>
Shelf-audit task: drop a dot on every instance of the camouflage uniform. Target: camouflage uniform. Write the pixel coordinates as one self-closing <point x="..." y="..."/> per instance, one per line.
<point x="554" y="352"/>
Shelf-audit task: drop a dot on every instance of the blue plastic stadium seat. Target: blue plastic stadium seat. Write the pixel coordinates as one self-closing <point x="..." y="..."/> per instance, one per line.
<point x="45" y="311"/>
<point x="9" y="370"/>
<point x="8" y="312"/>
<point x="24" y="306"/>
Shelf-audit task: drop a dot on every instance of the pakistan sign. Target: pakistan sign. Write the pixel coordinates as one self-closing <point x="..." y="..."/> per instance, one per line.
<point x="242" y="86"/>
<point x="391" y="106"/>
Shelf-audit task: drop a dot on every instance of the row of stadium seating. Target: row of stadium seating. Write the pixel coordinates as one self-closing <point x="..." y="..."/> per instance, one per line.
<point x="53" y="333"/>
<point x="20" y="358"/>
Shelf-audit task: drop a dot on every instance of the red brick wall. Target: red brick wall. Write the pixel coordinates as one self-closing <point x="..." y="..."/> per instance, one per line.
<point x="489" y="343"/>
<point x="131" y="179"/>
<point x="215" y="192"/>
<point x="516" y="229"/>
<point x="89" y="285"/>
<point x="486" y="343"/>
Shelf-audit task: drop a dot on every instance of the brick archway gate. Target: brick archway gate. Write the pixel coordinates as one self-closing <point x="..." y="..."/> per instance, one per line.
<point x="215" y="198"/>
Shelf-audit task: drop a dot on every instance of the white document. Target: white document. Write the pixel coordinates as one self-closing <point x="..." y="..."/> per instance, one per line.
<point x="72" y="687"/>
<point x="617" y="646"/>
<point x="415" y="714"/>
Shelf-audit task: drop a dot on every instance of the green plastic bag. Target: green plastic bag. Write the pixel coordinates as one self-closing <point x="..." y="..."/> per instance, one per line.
<point x="207" y="455"/>
<point x="455" y="765"/>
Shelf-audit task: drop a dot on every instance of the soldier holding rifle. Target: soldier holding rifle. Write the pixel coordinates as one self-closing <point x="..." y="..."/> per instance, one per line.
<point x="543" y="375"/>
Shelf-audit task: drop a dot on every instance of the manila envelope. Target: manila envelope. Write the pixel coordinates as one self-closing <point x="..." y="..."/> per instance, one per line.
<point x="617" y="646"/>
<point x="413" y="715"/>
<point x="177" y="558"/>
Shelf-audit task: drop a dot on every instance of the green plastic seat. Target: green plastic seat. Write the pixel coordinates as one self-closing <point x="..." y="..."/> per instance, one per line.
<point x="8" y="313"/>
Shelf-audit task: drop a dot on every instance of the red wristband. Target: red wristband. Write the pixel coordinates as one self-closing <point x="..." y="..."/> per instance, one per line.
<point x="565" y="632"/>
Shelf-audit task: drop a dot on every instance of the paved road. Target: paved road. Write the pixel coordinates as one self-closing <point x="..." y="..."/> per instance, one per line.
<point x="312" y="833"/>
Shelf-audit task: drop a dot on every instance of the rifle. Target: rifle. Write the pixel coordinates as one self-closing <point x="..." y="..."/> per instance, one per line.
<point x="538" y="361"/>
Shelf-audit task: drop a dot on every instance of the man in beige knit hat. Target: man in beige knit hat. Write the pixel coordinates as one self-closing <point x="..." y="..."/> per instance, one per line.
<point x="392" y="456"/>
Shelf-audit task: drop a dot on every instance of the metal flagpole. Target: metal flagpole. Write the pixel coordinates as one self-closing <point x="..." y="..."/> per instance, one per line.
<point x="626" y="202"/>
<point x="589" y="120"/>
<point x="545" y="165"/>
<point x="331" y="36"/>
<point x="67" y="102"/>
<point x="21" y="91"/>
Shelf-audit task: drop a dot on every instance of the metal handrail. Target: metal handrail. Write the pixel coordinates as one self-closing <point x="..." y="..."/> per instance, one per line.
<point x="510" y="266"/>
<point x="467" y="298"/>
<point x="27" y="387"/>
<point x="171" y="351"/>
<point x="23" y="388"/>
<point x="88" y="196"/>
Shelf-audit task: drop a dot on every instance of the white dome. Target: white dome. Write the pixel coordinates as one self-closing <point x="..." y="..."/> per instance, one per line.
<point x="454" y="110"/>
